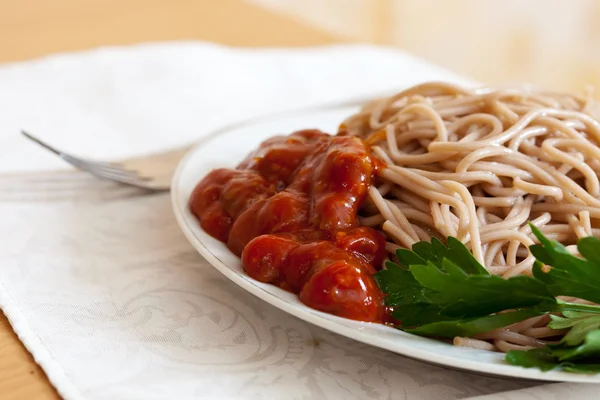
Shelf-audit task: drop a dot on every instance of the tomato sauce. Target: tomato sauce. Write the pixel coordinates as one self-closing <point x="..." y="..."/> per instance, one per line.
<point x="290" y="211"/>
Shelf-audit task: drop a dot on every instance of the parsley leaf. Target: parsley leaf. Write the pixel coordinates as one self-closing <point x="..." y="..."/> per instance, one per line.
<point x="435" y="252"/>
<point x="589" y="247"/>
<point x="580" y="329"/>
<point x="473" y="326"/>
<point x="565" y="274"/>
<point x="400" y="285"/>
<point x="536" y="358"/>
<point x="546" y="361"/>
<point x="461" y="295"/>
<point x="442" y="291"/>
<point x="583" y="358"/>
<point x="447" y="284"/>
<point x="406" y="293"/>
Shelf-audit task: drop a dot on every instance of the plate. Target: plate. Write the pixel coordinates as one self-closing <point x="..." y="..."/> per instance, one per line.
<point x="226" y="148"/>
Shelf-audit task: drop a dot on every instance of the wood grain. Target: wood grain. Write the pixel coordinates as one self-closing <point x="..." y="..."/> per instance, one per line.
<point x="20" y="376"/>
<point x="34" y="28"/>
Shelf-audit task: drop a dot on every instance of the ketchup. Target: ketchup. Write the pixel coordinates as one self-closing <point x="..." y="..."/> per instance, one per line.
<point x="290" y="211"/>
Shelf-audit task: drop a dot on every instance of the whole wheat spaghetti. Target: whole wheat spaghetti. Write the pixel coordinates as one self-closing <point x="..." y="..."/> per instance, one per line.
<point x="480" y="165"/>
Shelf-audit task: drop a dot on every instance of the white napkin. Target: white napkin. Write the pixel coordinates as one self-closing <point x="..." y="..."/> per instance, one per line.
<point x="97" y="280"/>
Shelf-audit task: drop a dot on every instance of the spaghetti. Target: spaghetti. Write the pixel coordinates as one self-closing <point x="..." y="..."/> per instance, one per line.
<point x="479" y="165"/>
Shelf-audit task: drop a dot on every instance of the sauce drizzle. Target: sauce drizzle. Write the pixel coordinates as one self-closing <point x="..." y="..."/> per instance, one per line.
<point x="290" y="211"/>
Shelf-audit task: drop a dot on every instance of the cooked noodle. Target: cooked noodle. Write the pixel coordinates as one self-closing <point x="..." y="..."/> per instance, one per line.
<point x="479" y="165"/>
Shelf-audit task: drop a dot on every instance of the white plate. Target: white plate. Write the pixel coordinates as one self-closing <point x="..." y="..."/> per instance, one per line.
<point x="229" y="146"/>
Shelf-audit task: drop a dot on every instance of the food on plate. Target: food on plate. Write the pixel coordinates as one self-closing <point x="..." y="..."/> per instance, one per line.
<point x="470" y="214"/>
<point x="290" y="211"/>
<point x="479" y="166"/>
<point x="550" y="320"/>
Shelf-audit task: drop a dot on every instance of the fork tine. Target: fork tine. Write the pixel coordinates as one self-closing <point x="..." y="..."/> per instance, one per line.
<point x="111" y="171"/>
<point x="116" y="174"/>
<point x="97" y="168"/>
<point x="107" y="170"/>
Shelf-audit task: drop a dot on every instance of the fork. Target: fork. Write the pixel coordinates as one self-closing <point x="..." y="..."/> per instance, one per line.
<point x="152" y="172"/>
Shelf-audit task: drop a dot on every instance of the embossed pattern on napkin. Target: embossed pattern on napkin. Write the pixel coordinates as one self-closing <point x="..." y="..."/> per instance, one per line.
<point x="130" y="310"/>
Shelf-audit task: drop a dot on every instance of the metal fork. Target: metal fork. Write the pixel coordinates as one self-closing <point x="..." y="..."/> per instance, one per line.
<point x="151" y="172"/>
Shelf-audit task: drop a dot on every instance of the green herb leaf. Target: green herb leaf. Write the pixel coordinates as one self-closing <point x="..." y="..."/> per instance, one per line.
<point x="583" y="358"/>
<point x="436" y="286"/>
<point x="581" y="367"/>
<point x="536" y="358"/>
<point x="407" y="257"/>
<point x="442" y="291"/>
<point x="467" y="296"/>
<point x="415" y="314"/>
<point x="544" y="360"/>
<point x="589" y="247"/>
<point x="473" y="326"/>
<point x="400" y="286"/>
<point x="563" y="323"/>
<point x="439" y="290"/>
<point x="435" y="252"/>
<point x="565" y="274"/>
<point x="580" y="330"/>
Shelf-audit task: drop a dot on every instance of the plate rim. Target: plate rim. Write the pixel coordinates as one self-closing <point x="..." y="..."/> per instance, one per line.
<point x="321" y="319"/>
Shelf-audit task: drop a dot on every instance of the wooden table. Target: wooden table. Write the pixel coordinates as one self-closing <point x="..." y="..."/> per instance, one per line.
<point x="33" y="28"/>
